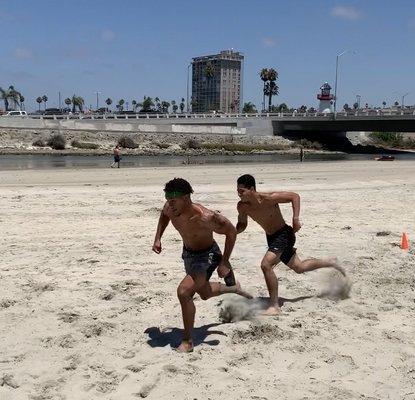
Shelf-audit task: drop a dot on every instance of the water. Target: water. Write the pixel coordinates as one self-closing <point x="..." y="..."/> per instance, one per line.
<point x="50" y="161"/>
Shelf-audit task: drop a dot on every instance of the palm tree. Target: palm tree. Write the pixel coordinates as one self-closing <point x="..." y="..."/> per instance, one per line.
<point x="158" y="105"/>
<point x="120" y="105"/>
<point x="4" y="96"/>
<point x="174" y="106"/>
<point x="11" y="97"/>
<point x="182" y="105"/>
<point x="269" y="77"/>
<point x="77" y="101"/>
<point x="68" y="101"/>
<point x="282" y="107"/>
<point x="147" y="104"/>
<point x="165" y="106"/>
<point x="22" y="99"/>
<point x="249" y="108"/>
<point x="108" y="102"/>
<point x="264" y="77"/>
<point x="39" y="101"/>
<point x="134" y="103"/>
<point x="45" y="100"/>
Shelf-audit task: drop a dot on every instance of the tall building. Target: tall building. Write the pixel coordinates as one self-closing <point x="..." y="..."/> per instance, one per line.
<point x="217" y="82"/>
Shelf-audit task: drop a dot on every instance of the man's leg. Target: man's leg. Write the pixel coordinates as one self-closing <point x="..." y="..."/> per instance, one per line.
<point x="207" y="289"/>
<point x="313" y="263"/>
<point x="268" y="263"/>
<point x="185" y="293"/>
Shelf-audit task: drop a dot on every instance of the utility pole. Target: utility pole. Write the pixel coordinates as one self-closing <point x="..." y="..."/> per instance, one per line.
<point x="97" y="93"/>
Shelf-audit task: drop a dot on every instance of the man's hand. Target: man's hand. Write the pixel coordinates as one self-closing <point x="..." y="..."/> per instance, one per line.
<point x="296" y="224"/>
<point x="223" y="268"/>
<point x="157" y="246"/>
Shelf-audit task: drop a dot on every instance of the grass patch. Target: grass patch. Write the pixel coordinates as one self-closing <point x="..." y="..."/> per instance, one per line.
<point x="84" y="145"/>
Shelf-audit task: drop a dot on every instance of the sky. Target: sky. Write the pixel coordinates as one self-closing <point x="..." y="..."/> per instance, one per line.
<point x="128" y="49"/>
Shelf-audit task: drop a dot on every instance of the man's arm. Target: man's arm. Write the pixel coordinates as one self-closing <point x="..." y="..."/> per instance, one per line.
<point x="161" y="227"/>
<point x="242" y="219"/>
<point x="223" y="226"/>
<point x="294" y="199"/>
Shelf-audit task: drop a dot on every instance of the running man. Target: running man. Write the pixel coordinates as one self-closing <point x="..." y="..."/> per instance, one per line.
<point x="264" y="209"/>
<point x="201" y="254"/>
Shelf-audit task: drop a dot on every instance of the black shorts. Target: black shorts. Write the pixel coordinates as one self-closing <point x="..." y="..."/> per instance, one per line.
<point x="117" y="158"/>
<point x="203" y="261"/>
<point x="282" y="243"/>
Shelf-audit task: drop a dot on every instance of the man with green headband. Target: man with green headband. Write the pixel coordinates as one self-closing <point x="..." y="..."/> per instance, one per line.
<point x="201" y="254"/>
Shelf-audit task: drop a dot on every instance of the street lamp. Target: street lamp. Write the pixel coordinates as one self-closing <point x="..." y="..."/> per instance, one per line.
<point x="187" y="86"/>
<point x="403" y="98"/>
<point x="335" y="82"/>
<point x="97" y="93"/>
<point x="358" y="97"/>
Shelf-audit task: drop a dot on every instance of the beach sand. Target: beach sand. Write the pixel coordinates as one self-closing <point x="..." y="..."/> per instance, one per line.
<point x="87" y="311"/>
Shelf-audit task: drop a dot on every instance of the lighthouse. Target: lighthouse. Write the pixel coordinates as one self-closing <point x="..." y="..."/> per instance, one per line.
<point x="326" y="99"/>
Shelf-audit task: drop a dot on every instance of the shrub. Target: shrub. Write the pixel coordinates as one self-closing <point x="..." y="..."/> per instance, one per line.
<point x="57" y="142"/>
<point x="39" y="143"/>
<point x="127" y="143"/>
<point x="388" y="139"/>
<point x="192" y="144"/>
<point x="84" y="145"/>
<point x="243" y="147"/>
<point x="163" y="145"/>
<point x="307" y="144"/>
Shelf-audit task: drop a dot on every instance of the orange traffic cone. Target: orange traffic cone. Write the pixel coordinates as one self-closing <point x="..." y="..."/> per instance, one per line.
<point x="404" y="242"/>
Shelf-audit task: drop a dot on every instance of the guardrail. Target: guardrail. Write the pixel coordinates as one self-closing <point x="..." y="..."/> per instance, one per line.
<point x="359" y="113"/>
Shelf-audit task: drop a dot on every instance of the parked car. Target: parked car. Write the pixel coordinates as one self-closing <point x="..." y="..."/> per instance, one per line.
<point x="53" y="111"/>
<point x="16" y="114"/>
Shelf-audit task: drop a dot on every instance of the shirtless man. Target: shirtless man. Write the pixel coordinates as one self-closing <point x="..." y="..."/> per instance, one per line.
<point x="201" y="254"/>
<point x="117" y="156"/>
<point x="264" y="209"/>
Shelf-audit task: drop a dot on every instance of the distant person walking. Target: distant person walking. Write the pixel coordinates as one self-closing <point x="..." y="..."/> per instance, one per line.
<point x="117" y="156"/>
<point x="301" y="154"/>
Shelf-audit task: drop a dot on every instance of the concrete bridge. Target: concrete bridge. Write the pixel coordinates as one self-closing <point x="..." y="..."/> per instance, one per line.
<point x="264" y="124"/>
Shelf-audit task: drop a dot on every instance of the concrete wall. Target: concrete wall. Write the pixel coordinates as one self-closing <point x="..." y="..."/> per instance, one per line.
<point x="234" y="126"/>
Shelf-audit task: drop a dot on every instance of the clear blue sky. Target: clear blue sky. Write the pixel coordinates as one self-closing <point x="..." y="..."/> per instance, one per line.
<point x="131" y="48"/>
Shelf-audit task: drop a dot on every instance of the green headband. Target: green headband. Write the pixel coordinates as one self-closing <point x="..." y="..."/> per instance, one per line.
<point x="174" y="194"/>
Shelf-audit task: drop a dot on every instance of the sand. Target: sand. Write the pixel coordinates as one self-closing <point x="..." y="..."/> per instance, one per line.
<point x="87" y="311"/>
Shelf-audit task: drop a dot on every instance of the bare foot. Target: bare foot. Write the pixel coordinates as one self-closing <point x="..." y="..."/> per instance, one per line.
<point x="336" y="266"/>
<point x="186" y="346"/>
<point x="242" y="292"/>
<point x="271" y="310"/>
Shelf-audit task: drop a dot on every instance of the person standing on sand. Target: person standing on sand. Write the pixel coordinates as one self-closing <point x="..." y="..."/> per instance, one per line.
<point x="117" y="156"/>
<point x="301" y="154"/>
<point x="201" y="254"/>
<point x="264" y="209"/>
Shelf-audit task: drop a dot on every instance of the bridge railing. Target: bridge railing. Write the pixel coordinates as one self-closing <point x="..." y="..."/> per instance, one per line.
<point x="176" y="116"/>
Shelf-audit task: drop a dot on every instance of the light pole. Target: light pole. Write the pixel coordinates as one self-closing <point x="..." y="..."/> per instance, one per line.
<point x="187" y="86"/>
<point x="403" y="98"/>
<point x="97" y="93"/>
<point x="335" y="82"/>
<point x="358" y="97"/>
